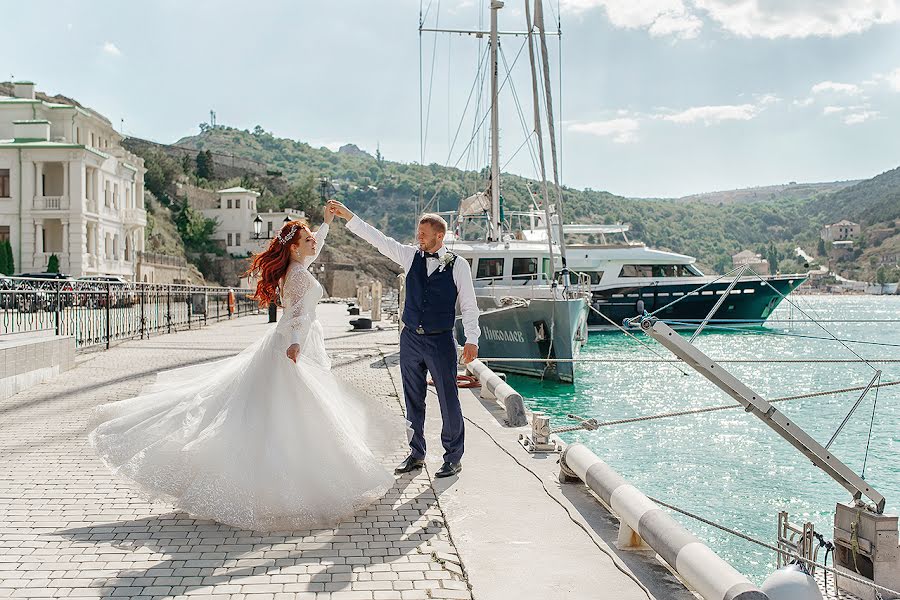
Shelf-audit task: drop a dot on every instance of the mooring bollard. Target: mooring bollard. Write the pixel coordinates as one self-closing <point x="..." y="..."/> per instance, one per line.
<point x="493" y="386"/>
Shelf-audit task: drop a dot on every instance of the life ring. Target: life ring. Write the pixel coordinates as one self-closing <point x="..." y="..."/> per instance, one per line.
<point x="463" y="381"/>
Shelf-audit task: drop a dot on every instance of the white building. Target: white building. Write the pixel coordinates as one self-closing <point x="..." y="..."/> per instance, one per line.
<point x="67" y="187"/>
<point x="235" y="215"/>
<point x="751" y="259"/>
<point x="842" y="230"/>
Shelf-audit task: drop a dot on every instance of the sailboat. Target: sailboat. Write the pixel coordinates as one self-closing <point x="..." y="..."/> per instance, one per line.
<point x="531" y="313"/>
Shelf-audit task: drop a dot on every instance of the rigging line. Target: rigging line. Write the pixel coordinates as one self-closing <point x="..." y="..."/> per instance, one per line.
<point x="512" y="87"/>
<point x="792" y="555"/>
<point x="871" y="424"/>
<point x="641" y="342"/>
<point x="431" y="80"/>
<point x="475" y="85"/>
<point x="796" y="335"/>
<point x="476" y="149"/>
<point x="513" y="155"/>
<point x="487" y="114"/>
<point x="693" y="292"/>
<point x="802" y="312"/>
<point x="427" y="10"/>
<point x="708" y="409"/>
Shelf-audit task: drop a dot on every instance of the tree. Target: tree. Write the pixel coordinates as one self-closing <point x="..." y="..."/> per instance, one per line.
<point x="772" y="257"/>
<point x="187" y="165"/>
<point x="205" y="169"/>
<point x="53" y="264"/>
<point x="6" y="258"/>
<point x="821" y="249"/>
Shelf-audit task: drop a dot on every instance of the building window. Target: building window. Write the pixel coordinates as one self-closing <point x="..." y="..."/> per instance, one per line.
<point x="229" y="240"/>
<point x="4" y="233"/>
<point x="229" y="203"/>
<point x="489" y="267"/>
<point x="237" y="239"/>
<point x="4" y="183"/>
<point x="237" y="202"/>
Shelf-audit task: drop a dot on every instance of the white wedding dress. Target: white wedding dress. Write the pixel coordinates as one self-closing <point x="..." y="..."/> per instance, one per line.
<point x="256" y="441"/>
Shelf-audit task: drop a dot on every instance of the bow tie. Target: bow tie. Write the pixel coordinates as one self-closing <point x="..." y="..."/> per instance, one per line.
<point x="431" y="255"/>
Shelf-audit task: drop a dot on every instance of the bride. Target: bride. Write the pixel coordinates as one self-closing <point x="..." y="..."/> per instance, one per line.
<point x="268" y="439"/>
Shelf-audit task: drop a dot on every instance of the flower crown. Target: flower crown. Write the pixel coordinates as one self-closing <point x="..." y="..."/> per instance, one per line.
<point x="285" y="239"/>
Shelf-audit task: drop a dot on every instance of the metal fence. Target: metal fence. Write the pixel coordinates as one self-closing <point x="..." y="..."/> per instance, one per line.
<point x="98" y="313"/>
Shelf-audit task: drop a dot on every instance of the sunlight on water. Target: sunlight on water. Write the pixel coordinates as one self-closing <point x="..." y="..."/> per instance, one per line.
<point x="728" y="466"/>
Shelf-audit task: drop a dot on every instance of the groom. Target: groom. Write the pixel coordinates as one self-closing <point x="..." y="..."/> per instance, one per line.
<point x="435" y="280"/>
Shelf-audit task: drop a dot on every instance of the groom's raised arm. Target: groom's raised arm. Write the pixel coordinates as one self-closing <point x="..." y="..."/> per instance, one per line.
<point x="399" y="253"/>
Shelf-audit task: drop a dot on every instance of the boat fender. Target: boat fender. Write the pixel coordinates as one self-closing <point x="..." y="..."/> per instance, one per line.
<point x="791" y="582"/>
<point x="639" y="306"/>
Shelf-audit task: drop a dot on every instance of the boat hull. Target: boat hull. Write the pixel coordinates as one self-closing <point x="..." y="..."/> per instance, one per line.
<point x="533" y="329"/>
<point x="750" y="302"/>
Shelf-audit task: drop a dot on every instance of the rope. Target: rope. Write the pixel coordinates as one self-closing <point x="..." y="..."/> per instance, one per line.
<point x="796" y="335"/>
<point x="628" y="333"/>
<point x="695" y="411"/>
<point x="675" y="360"/>
<point x="871" y="424"/>
<point x="775" y="548"/>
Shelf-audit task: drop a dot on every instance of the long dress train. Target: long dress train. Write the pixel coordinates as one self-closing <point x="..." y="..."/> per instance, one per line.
<point x="256" y="441"/>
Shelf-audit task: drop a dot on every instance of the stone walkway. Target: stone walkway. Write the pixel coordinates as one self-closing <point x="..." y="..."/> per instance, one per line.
<point x="68" y="528"/>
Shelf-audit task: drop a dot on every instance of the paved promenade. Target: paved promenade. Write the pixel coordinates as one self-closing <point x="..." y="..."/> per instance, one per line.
<point x="502" y="529"/>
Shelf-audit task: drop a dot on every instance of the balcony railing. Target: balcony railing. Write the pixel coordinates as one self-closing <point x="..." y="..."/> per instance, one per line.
<point x="135" y="216"/>
<point x="51" y="203"/>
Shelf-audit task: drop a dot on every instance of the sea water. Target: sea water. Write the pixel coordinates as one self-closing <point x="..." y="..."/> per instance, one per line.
<point x="728" y="466"/>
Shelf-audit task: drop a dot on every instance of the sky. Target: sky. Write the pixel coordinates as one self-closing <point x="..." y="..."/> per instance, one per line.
<point x="651" y="98"/>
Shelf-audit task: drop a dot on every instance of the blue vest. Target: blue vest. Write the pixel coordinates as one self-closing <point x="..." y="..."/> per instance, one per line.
<point x="430" y="301"/>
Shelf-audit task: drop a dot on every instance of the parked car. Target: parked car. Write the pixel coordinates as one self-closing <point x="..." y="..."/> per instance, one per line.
<point x="121" y="292"/>
<point x="46" y="286"/>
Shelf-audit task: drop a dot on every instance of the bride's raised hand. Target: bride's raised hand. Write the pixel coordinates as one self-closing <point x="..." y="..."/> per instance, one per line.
<point x="293" y="352"/>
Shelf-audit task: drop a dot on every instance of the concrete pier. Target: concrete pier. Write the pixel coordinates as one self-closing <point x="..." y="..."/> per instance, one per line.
<point x="504" y="528"/>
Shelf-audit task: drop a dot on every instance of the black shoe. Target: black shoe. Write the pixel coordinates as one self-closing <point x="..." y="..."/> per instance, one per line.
<point x="410" y="464"/>
<point x="449" y="469"/>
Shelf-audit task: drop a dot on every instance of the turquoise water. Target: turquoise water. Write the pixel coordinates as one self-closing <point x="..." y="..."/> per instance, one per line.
<point x="728" y="466"/>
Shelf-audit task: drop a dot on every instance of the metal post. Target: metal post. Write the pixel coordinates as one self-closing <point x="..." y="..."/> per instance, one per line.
<point x="108" y="313"/>
<point x="273" y="312"/>
<point x="169" y="308"/>
<point x="58" y="305"/>
<point x="143" y="317"/>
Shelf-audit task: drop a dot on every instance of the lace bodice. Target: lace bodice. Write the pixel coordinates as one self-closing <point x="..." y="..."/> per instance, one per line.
<point x="300" y="293"/>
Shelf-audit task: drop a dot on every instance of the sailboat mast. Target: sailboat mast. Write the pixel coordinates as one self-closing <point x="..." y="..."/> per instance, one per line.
<point x="496" y="5"/>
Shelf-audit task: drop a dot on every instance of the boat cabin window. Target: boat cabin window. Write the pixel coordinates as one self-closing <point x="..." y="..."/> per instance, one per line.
<point x="489" y="267"/>
<point x="524" y="268"/>
<point x="596" y="276"/>
<point x="658" y="271"/>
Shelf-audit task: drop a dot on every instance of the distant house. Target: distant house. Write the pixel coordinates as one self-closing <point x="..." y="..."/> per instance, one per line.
<point x="752" y="260"/>
<point x="234" y="216"/>
<point x="842" y="230"/>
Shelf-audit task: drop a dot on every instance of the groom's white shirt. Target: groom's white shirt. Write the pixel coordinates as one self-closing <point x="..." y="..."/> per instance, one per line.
<point x="403" y="255"/>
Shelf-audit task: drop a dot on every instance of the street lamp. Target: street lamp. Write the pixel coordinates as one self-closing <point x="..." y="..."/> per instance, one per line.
<point x="257" y="230"/>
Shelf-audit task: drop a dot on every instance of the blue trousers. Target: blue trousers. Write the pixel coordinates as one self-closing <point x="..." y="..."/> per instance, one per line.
<point x="437" y="355"/>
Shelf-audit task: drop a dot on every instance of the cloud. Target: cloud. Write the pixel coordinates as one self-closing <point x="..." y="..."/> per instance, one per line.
<point x="893" y="79"/>
<point x="658" y="17"/>
<point x="746" y="18"/>
<point x="841" y="88"/>
<point x="622" y="130"/>
<point x="830" y="110"/>
<point x="711" y="115"/>
<point x="804" y="102"/>
<point x="111" y="49"/>
<point x="800" y="18"/>
<point x="860" y="117"/>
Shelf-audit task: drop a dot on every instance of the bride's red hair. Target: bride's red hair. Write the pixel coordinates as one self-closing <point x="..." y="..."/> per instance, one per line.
<point x="271" y="264"/>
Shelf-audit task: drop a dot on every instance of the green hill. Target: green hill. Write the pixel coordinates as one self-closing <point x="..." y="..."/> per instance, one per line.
<point x="386" y="193"/>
